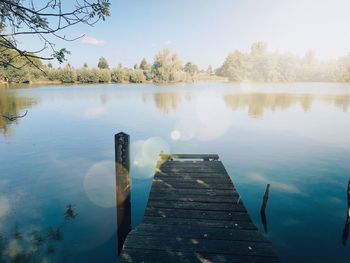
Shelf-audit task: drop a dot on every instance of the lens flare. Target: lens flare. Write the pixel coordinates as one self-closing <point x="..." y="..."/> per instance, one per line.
<point x="99" y="184"/>
<point x="144" y="156"/>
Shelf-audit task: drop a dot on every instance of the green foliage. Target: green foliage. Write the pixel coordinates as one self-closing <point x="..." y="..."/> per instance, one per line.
<point x="136" y="76"/>
<point x="104" y="76"/>
<point x="144" y="65"/>
<point x="148" y="74"/>
<point x="343" y="72"/>
<point x="263" y="66"/>
<point x="102" y="63"/>
<point x="147" y="69"/>
<point x="118" y="75"/>
<point x="18" y="69"/>
<point x="236" y="67"/>
<point x="66" y="75"/>
<point x="191" y="68"/>
<point x="17" y="76"/>
<point x="86" y="75"/>
<point x="166" y="67"/>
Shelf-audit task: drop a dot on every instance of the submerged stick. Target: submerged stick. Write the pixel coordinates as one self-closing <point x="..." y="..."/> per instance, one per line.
<point x="265" y="199"/>
<point x="263" y="207"/>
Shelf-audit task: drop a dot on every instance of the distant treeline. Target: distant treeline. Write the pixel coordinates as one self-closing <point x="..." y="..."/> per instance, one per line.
<point x="166" y="68"/>
<point x="259" y="65"/>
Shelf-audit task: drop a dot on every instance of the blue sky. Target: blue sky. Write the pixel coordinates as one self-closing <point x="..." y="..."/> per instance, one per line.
<point x="205" y="31"/>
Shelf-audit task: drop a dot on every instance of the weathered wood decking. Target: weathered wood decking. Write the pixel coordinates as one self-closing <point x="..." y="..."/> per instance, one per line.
<point x="194" y="214"/>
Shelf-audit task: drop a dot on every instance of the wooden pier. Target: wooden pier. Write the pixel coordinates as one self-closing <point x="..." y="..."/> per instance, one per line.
<point x="195" y="214"/>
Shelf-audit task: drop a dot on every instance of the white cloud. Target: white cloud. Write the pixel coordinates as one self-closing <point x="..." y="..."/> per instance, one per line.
<point x="93" y="41"/>
<point x="279" y="186"/>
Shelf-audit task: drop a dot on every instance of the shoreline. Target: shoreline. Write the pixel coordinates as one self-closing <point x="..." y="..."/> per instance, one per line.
<point x="4" y="85"/>
<point x="57" y="82"/>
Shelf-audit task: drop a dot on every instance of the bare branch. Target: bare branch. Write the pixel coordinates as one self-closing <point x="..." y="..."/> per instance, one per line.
<point x="13" y="118"/>
<point x="20" y="17"/>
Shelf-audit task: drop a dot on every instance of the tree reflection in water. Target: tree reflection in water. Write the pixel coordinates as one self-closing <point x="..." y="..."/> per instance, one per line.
<point x="34" y="246"/>
<point x="256" y="103"/>
<point x="12" y="106"/>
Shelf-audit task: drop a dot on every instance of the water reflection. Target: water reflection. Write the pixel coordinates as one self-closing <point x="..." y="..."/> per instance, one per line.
<point x="167" y="102"/>
<point x="257" y="103"/>
<point x="12" y="105"/>
<point x="342" y="102"/>
<point x="32" y="244"/>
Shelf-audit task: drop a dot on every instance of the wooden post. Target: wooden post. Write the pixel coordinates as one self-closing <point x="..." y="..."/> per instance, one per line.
<point x="122" y="168"/>
<point x="263" y="207"/>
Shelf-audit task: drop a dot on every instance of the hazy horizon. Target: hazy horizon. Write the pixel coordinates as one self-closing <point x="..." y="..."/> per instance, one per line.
<point x="205" y="32"/>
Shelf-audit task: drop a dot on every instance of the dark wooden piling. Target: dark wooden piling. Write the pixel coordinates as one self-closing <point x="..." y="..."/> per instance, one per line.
<point x="345" y="234"/>
<point x="348" y="195"/>
<point x="122" y="168"/>
<point x="195" y="214"/>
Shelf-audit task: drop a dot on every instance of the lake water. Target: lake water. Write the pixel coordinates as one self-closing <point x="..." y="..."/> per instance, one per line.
<point x="295" y="137"/>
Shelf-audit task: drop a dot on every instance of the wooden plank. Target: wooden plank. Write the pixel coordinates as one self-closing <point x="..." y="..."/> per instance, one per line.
<point x="197" y="205"/>
<point x="190" y="185"/>
<point x="199" y="245"/>
<point x="190" y="156"/>
<point x="205" y="180"/>
<point x="154" y="195"/>
<point x="185" y="192"/>
<point x="150" y="256"/>
<point x="199" y="232"/>
<point x="196" y="214"/>
<point x="200" y="222"/>
<point x="193" y="170"/>
<point x="187" y="164"/>
<point x="192" y="175"/>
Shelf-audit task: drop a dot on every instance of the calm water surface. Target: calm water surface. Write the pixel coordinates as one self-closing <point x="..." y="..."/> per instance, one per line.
<point x="295" y="137"/>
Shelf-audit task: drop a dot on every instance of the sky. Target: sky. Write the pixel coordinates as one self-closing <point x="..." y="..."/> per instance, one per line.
<point x="206" y="31"/>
